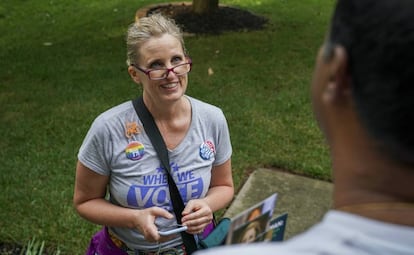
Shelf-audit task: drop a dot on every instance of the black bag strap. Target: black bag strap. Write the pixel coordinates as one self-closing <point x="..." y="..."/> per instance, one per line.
<point x="159" y="145"/>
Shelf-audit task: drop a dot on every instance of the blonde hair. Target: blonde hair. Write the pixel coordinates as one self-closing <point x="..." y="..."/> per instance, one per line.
<point x="146" y="28"/>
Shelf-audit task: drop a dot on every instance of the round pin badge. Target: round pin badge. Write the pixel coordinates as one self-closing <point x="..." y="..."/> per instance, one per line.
<point x="207" y="150"/>
<point x="134" y="150"/>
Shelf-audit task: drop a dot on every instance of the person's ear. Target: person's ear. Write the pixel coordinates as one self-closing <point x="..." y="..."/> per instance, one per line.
<point x="134" y="74"/>
<point x="339" y="86"/>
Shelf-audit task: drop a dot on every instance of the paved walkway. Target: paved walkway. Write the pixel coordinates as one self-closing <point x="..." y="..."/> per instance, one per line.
<point x="304" y="199"/>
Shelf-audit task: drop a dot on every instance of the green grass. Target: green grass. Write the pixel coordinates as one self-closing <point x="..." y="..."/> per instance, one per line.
<point x="36" y="247"/>
<point x="63" y="62"/>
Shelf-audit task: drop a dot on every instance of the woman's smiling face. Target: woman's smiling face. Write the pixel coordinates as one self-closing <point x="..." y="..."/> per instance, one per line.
<point x="162" y="52"/>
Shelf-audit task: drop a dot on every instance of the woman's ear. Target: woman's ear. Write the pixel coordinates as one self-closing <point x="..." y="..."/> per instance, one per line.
<point x="134" y="74"/>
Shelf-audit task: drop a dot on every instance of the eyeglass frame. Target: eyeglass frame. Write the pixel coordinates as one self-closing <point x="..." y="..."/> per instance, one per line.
<point x="168" y="70"/>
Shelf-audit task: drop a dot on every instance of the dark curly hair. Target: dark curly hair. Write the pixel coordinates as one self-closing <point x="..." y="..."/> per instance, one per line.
<point x="379" y="38"/>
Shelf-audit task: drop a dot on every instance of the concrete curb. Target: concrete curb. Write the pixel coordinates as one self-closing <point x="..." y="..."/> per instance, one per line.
<point x="304" y="199"/>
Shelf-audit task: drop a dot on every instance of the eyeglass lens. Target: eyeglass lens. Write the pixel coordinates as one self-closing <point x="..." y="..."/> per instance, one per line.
<point x="178" y="70"/>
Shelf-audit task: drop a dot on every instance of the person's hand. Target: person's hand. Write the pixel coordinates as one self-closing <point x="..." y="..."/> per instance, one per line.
<point x="196" y="216"/>
<point x="145" y="223"/>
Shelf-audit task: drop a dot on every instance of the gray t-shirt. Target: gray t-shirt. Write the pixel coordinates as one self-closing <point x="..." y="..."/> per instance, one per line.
<point x="117" y="146"/>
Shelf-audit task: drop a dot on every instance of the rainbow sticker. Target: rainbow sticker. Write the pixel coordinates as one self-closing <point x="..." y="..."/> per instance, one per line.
<point x="134" y="150"/>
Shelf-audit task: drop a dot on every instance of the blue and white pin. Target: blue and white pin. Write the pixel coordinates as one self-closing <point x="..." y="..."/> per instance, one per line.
<point x="207" y="150"/>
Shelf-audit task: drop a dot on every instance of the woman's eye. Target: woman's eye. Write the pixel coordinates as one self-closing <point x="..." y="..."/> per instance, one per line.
<point x="156" y="66"/>
<point x="177" y="60"/>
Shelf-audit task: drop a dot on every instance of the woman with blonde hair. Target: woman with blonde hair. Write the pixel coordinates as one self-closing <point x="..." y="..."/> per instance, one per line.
<point x="118" y="157"/>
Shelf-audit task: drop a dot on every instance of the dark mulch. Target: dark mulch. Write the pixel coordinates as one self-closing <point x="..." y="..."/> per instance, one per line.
<point x="224" y="19"/>
<point x="10" y="249"/>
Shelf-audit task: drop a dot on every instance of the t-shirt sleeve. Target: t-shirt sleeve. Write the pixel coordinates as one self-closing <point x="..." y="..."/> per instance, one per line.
<point x="96" y="148"/>
<point x="223" y="143"/>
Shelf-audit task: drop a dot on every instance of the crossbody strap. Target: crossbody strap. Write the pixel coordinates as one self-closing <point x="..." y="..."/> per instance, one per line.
<point x="159" y="145"/>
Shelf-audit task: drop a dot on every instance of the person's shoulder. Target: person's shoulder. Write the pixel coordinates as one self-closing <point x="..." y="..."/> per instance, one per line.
<point x="204" y="105"/>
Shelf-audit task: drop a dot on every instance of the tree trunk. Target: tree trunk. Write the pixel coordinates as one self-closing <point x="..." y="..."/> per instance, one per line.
<point x="203" y="7"/>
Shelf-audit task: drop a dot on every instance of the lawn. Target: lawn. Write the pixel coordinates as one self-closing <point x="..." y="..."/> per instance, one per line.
<point x="63" y="62"/>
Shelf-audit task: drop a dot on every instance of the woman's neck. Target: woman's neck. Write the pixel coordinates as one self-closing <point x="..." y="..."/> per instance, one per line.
<point x="169" y="112"/>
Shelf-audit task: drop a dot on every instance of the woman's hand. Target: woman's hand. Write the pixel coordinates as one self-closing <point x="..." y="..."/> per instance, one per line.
<point x="145" y="223"/>
<point x="196" y="216"/>
<point x="198" y="213"/>
<point x="89" y="201"/>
